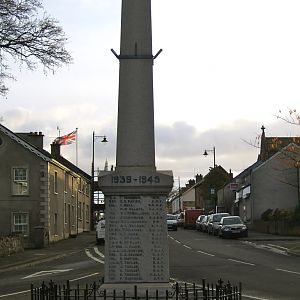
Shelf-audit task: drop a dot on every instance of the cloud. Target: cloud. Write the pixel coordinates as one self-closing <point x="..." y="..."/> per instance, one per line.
<point x="179" y="146"/>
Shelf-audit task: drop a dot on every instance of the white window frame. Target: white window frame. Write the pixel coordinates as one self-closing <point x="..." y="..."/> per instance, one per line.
<point x="25" y="224"/>
<point x="55" y="182"/>
<point x="20" y="183"/>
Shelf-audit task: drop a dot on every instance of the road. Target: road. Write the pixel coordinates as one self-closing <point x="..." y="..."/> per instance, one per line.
<point x="264" y="274"/>
<point x="81" y="267"/>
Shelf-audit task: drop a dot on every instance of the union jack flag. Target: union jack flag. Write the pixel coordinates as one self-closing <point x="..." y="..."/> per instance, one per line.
<point x="66" y="139"/>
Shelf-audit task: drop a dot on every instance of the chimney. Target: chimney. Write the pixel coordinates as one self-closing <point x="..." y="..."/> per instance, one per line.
<point x="34" y="138"/>
<point x="198" y="177"/>
<point x="55" y="149"/>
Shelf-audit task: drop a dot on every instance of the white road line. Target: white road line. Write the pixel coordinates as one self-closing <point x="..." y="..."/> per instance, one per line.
<point x="298" y="273"/>
<point x="98" y="252"/>
<point x="205" y="253"/>
<point x="88" y="253"/>
<point x="16" y="293"/>
<point x="277" y="246"/>
<point x="177" y="242"/>
<point x="254" y="297"/>
<point x="187" y="247"/>
<point x="45" y="273"/>
<point x="241" y="262"/>
<point x="79" y="278"/>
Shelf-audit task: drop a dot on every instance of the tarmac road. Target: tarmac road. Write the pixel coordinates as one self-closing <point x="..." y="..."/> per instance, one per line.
<point x="66" y="248"/>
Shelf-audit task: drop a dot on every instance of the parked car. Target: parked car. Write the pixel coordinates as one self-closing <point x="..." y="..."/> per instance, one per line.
<point x="214" y="222"/>
<point x="199" y="221"/>
<point x="180" y="220"/>
<point x="204" y="224"/>
<point x="172" y="222"/>
<point x="232" y="226"/>
<point x="100" y="231"/>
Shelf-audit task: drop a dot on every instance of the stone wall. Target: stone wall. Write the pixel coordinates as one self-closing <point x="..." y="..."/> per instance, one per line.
<point x="10" y="245"/>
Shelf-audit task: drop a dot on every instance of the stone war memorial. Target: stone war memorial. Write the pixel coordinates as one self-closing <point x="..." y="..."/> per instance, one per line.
<point x="136" y="245"/>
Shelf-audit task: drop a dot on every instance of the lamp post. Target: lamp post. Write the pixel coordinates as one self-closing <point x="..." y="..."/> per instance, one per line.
<point x="104" y="140"/>
<point x="297" y="166"/>
<point x="214" y="152"/>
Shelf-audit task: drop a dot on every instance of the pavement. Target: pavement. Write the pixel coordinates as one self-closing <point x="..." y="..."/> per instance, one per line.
<point x="56" y="250"/>
<point x="286" y="244"/>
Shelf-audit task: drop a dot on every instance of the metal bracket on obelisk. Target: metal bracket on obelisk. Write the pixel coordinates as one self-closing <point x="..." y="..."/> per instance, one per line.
<point x="136" y="56"/>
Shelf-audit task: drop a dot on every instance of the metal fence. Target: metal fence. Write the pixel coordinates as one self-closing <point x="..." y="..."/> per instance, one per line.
<point x="179" y="291"/>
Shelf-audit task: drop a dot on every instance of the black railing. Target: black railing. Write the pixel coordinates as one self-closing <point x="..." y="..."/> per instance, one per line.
<point x="179" y="291"/>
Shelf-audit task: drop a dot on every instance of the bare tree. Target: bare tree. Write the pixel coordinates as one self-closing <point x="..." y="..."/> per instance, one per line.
<point x="292" y="117"/>
<point x="30" y="37"/>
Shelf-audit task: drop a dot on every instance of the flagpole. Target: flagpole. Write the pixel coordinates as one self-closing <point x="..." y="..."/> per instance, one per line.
<point x="76" y="147"/>
<point x="59" y="129"/>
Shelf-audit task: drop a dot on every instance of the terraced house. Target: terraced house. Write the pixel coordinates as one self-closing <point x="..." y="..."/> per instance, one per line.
<point x="43" y="196"/>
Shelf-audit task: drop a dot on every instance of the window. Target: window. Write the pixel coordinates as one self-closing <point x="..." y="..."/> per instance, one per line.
<point x="79" y="210"/>
<point x="87" y="189"/>
<point x="66" y="182"/>
<point x="20" y="181"/>
<point x="20" y="223"/>
<point x="55" y="182"/>
<point x="87" y="213"/>
<point x="55" y="224"/>
<point x="72" y="186"/>
<point x="65" y="213"/>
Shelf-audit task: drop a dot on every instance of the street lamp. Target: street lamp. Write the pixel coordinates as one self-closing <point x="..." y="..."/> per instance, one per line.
<point x="214" y="152"/>
<point x="297" y="166"/>
<point x="104" y="140"/>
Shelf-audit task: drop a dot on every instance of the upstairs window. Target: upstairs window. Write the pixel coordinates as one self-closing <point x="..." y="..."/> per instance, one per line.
<point x="66" y="182"/>
<point x="20" y="184"/>
<point x="55" y="183"/>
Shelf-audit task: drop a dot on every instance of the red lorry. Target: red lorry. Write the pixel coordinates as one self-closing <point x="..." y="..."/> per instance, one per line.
<point x="190" y="217"/>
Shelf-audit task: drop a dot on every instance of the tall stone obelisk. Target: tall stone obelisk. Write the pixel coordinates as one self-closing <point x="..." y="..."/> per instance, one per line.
<point x="136" y="247"/>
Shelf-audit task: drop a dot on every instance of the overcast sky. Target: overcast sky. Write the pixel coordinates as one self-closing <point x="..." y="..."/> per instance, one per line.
<point x="226" y="69"/>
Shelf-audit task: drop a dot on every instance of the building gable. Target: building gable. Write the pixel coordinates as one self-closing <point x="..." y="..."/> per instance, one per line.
<point x="23" y="143"/>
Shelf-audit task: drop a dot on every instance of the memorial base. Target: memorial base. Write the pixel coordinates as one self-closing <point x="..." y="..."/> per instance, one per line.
<point x="160" y="289"/>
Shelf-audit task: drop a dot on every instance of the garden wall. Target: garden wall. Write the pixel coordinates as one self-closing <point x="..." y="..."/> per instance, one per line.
<point x="276" y="227"/>
<point x="10" y="245"/>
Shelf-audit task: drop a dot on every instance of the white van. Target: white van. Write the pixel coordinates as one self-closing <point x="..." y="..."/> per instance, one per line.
<point x="100" y="231"/>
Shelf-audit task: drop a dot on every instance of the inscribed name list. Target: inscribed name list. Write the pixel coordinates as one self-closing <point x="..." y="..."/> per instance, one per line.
<point x="136" y="239"/>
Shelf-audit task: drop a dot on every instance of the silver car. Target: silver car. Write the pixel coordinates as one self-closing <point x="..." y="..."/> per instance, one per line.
<point x="172" y="222"/>
<point x="214" y="222"/>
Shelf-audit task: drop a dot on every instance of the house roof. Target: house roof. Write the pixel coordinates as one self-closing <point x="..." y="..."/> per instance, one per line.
<point x="275" y="144"/>
<point x="247" y="170"/>
<point x="287" y="148"/>
<point x="41" y="153"/>
<point x="272" y="144"/>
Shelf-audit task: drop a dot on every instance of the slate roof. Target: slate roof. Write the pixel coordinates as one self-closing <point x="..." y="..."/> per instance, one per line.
<point x="43" y="154"/>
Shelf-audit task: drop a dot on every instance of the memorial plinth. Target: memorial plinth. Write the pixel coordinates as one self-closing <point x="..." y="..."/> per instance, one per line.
<point x="136" y="249"/>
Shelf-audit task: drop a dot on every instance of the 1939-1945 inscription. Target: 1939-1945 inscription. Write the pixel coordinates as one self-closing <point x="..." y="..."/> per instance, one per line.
<point x="141" y="179"/>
